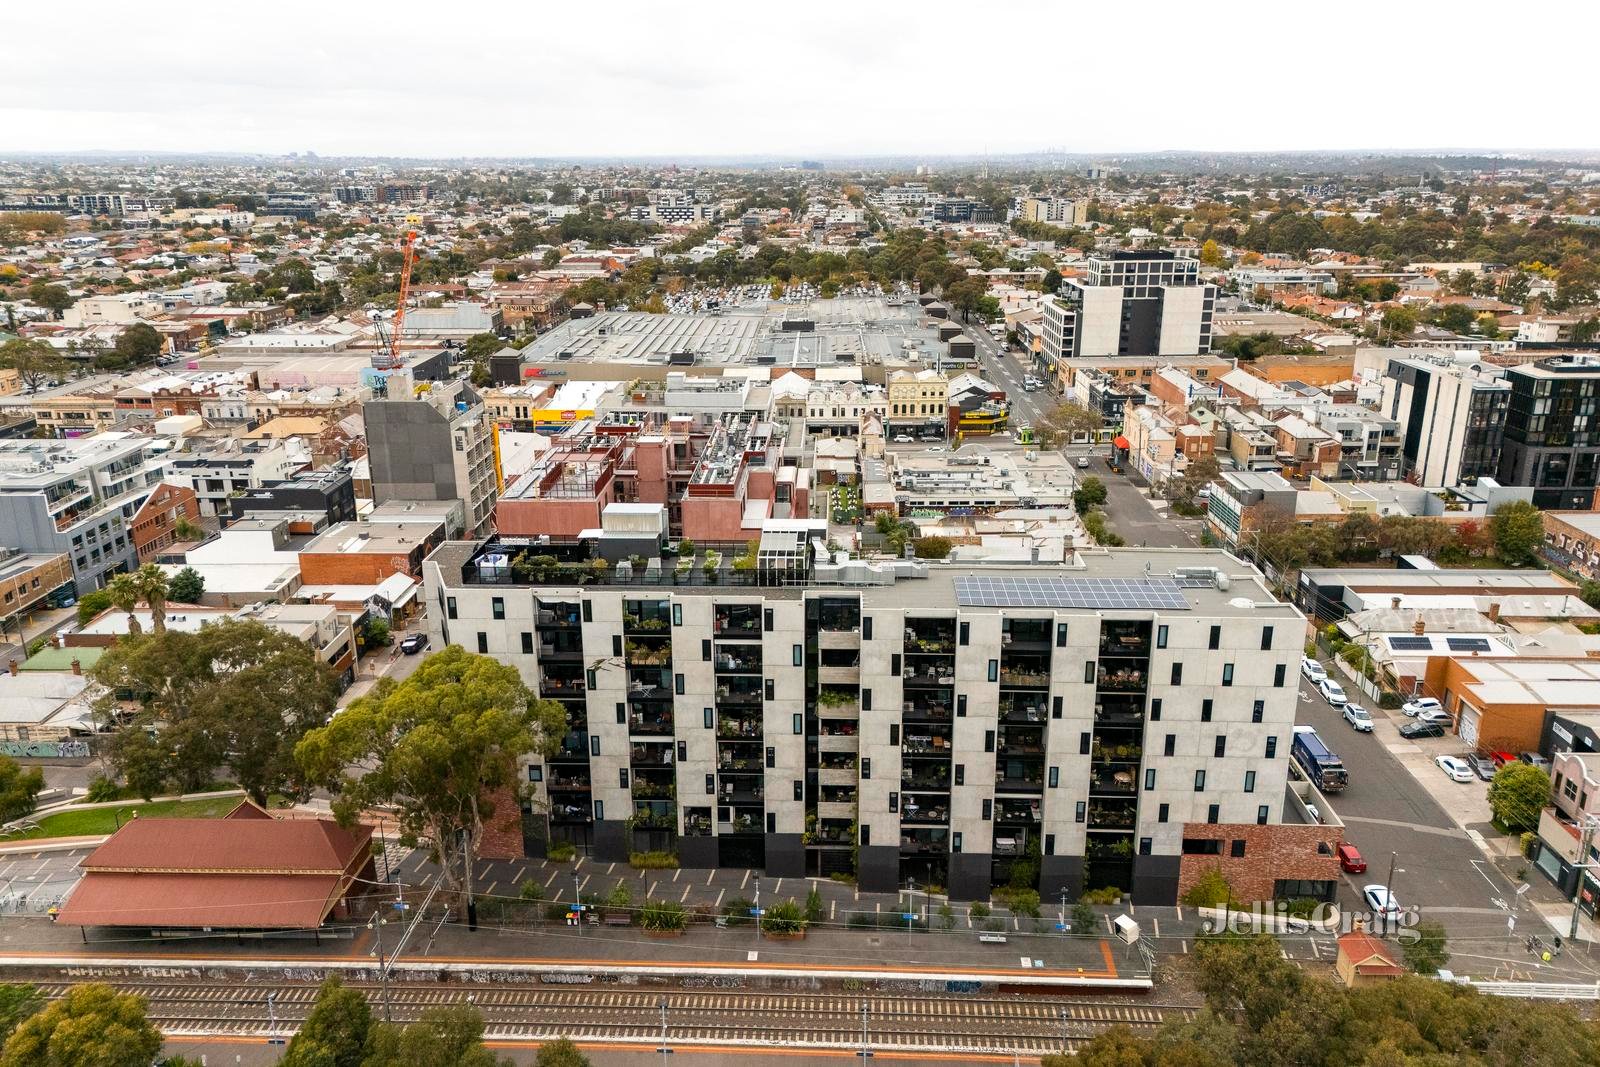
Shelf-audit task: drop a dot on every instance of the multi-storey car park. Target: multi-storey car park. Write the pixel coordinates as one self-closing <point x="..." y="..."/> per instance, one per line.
<point x="1124" y="721"/>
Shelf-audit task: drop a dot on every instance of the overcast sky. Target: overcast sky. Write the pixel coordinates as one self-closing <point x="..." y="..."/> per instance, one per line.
<point x="531" y="78"/>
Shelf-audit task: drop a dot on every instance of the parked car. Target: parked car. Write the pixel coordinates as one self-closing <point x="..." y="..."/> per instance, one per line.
<point x="1413" y="731"/>
<point x="1421" y="704"/>
<point x="1535" y="760"/>
<point x="1501" y="757"/>
<point x="1456" y="768"/>
<point x="903" y="439"/>
<point x="414" y="644"/>
<point x="1482" y="766"/>
<point x="1333" y="692"/>
<point x="1380" y="900"/>
<point x="1083" y="463"/>
<point x="1312" y="670"/>
<point x="1439" y="716"/>
<point x="1357" y="717"/>
<point x="1350" y="860"/>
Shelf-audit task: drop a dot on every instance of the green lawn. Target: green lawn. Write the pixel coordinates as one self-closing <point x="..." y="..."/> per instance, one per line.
<point x="95" y="821"/>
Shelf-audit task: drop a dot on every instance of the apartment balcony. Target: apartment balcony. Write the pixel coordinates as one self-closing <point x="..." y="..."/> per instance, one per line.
<point x="841" y="742"/>
<point x="648" y="652"/>
<point x="738" y="622"/>
<point x="573" y="747"/>
<point x="731" y="697"/>
<point x="730" y="760"/>
<point x="741" y="789"/>
<point x="730" y="728"/>
<point x="554" y="650"/>
<point x="1024" y="679"/>
<point x="746" y="662"/>
<point x="1125" y="639"/>
<point x="915" y="677"/>
<point x="839" y="639"/>
<point x="831" y="835"/>
<point x="838" y="704"/>
<point x="1119" y="712"/>
<point x="741" y="822"/>
<point x="561" y="687"/>
<point x="657" y="724"/>
<point x="1018" y="812"/>
<point x="839" y="675"/>
<point x="1121" y="680"/>
<point x="571" y="813"/>
<point x="836" y="809"/>
<point x="1023" y="710"/>
<point x="1113" y="781"/>
<point x="1013" y="775"/>
<point x="1025" y="634"/>
<point x="566" y="783"/>
<point x="927" y="811"/>
<point x="830" y="776"/>
<point x="559" y="617"/>
<point x="1118" y="815"/>
<point x="930" y="636"/>
<point x="924" y="841"/>
<point x="926" y="711"/>
<point x="651" y="754"/>
<point x="697" y="825"/>
<point x="646" y="620"/>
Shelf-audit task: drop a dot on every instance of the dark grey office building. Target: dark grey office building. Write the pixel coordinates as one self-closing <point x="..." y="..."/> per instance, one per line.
<point x="1552" y="434"/>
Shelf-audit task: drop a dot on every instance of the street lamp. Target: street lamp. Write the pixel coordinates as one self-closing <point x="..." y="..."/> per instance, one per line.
<point x="663" y="1049"/>
<point x="758" y="911"/>
<point x="577" y="902"/>
<point x="864" y="1052"/>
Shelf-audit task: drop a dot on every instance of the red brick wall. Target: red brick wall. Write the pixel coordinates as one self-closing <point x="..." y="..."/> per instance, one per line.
<point x="502" y="836"/>
<point x="1270" y="852"/>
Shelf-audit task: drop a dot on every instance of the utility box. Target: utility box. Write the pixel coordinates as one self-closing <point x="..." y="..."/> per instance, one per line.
<point x="1127" y="930"/>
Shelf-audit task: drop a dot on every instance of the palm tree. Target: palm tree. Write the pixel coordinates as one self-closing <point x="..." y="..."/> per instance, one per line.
<point x="125" y="593"/>
<point x="154" y="588"/>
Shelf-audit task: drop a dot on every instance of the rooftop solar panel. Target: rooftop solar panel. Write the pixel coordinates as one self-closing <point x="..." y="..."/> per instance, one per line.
<point x="1109" y="594"/>
<point x="1467" y="644"/>
<point x="1411" y="644"/>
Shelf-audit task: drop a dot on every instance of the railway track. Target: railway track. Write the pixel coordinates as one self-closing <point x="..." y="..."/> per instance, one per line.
<point x="709" y="1017"/>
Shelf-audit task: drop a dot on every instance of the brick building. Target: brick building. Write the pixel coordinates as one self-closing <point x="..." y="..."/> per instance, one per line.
<point x="155" y="525"/>
<point x="354" y="553"/>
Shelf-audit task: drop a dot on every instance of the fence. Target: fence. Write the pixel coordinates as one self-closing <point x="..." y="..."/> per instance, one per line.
<point x="46" y="749"/>
<point x="1540" y="990"/>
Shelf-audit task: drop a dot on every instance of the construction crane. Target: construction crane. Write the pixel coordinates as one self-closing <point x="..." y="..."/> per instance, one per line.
<point x="408" y="256"/>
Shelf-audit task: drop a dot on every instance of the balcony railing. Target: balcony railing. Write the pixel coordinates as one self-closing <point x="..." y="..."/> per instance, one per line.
<point x="1113" y="783"/>
<point x="912" y="812"/>
<point x="728" y="664"/>
<point x="1025" y="679"/>
<point x="734" y="729"/>
<point x="925" y="712"/>
<point x="647" y="724"/>
<point x="1121" y="680"/>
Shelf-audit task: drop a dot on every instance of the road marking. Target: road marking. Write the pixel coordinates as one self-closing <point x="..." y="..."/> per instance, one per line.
<point x="718" y="902"/>
<point x="685" y="898"/>
<point x="1418" y="827"/>
<point x="490" y="891"/>
<point x="1155" y="925"/>
<point x="712" y="873"/>
<point x="746" y="879"/>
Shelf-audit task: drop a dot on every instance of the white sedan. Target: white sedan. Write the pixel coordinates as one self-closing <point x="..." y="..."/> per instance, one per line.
<point x="1333" y="693"/>
<point x="1456" y="768"/>
<point x="1380" y="900"/>
<point x="1412" y="707"/>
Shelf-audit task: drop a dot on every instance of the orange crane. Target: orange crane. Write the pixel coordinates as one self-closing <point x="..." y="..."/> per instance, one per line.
<point x="408" y="256"/>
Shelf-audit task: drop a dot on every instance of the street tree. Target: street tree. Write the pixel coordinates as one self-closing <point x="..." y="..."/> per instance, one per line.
<point x="1052" y="280"/>
<point x="1091" y="493"/>
<point x="154" y="591"/>
<point x="438" y="747"/>
<point x="187" y="586"/>
<point x="93" y="1025"/>
<point x="138" y="344"/>
<point x="35" y="362"/>
<point x="1518" y="531"/>
<point x="54" y="297"/>
<point x="1196" y="476"/>
<point x="1517" y="794"/>
<point x="18" y="1003"/>
<point x="1059" y="425"/>
<point x="1211" y="253"/>
<point x="1398" y="322"/>
<point x="19" y="788"/>
<point x="234" y="693"/>
<point x="442" y="1037"/>
<point x="1424" y="947"/>
<point x="336" y="1030"/>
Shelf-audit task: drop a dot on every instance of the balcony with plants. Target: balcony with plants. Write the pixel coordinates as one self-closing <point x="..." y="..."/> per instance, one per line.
<point x="838" y="702"/>
<point x="653" y="815"/>
<point x="1108" y="861"/>
<point x="838" y="728"/>
<point x="925" y="778"/>
<point x="1019" y="774"/>
<point x="930" y="637"/>
<point x="652" y="781"/>
<point x="646" y="618"/>
<point x="648" y="651"/>
<point x="1025" y="635"/>
<point x="839" y="615"/>
<point x="740" y="757"/>
<point x="838" y="831"/>
<point x="1116" y="815"/>
<point x="732" y="819"/>
<point x="651" y="721"/>
<point x="574" y="747"/>
<point x="1113" y="780"/>
<point x="1024" y="670"/>
<point x="738" y="725"/>
<point x="736" y="621"/>
<point x="1115" y="677"/>
<point x="560" y="781"/>
<point x="697" y="822"/>
<point x="737" y="659"/>
<point x="1023" y="708"/>
<point x="836" y="794"/>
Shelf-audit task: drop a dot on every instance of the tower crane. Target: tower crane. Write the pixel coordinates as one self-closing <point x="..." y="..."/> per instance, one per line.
<point x="408" y="257"/>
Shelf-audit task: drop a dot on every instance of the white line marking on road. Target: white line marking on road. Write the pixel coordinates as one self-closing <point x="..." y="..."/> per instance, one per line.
<point x="746" y="879"/>
<point x="712" y="873"/>
<point x="1155" y="925"/>
<point x="676" y="871"/>
<point x="718" y="902"/>
<point x="685" y="898"/>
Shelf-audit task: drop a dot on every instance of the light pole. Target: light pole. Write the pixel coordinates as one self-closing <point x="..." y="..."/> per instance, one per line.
<point x="758" y="911"/>
<point x="1389" y="904"/>
<point x="1066" y="1038"/>
<point x="577" y="902"/>
<point x="911" y="905"/>
<point x="383" y="968"/>
<point x="1064" y="930"/>
<point x="865" y="1052"/>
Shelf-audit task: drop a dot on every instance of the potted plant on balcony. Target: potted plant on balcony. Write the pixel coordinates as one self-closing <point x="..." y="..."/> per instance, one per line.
<point x="712" y="563"/>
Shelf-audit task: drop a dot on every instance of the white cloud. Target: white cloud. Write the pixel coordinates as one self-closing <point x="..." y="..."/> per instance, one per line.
<point x="501" y="78"/>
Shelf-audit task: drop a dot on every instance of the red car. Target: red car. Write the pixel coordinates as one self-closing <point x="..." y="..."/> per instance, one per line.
<point x="1500" y="759"/>
<point x="1350" y="859"/>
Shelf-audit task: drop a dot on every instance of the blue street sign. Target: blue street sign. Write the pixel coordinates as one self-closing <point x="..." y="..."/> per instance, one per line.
<point x="1061" y="927"/>
<point x="399" y="905"/>
<point x="908" y="916"/>
<point x="758" y="912"/>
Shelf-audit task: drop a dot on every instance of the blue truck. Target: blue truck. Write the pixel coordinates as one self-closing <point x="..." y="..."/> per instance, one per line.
<point x="1318" y="761"/>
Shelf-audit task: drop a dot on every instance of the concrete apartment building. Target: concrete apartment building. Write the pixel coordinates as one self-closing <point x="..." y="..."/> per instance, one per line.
<point x="1124" y="721"/>
<point x="1452" y="419"/>
<point x="1056" y="210"/>
<point x="233" y="467"/>
<point x="441" y="445"/>
<point x="1130" y="303"/>
<point x="78" y="497"/>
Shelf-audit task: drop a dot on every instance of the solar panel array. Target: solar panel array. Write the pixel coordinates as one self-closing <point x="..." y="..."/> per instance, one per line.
<point x="1108" y="594"/>
<point x="1411" y="644"/>
<point x="1467" y="644"/>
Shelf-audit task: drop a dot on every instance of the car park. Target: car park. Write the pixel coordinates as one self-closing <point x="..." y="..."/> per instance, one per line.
<point x="1415" y="731"/>
<point x="1420" y="704"/>
<point x="414" y="644"/>
<point x="1350" y="859"/>
<point x="1333" y="692"/>
<point x="1482" y="766"/>
<point x="1357" y="717"/>
<point x="1380" y="900"/>
<point x="1455" y="767"/>
<point x="1312" y="670"/>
